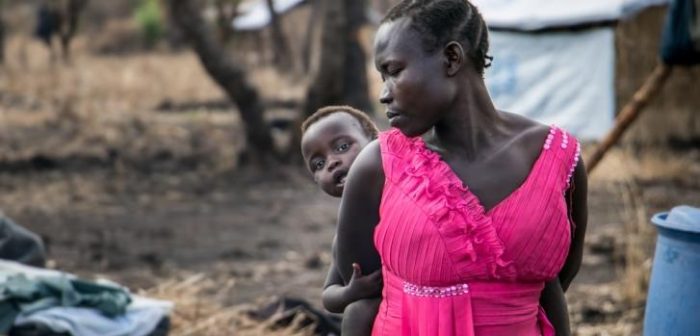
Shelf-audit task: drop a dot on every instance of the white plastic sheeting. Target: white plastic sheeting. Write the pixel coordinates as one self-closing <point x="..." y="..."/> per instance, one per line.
<point x="538" y="14"/>
<point x="258" y="15"/>
<point x="562" y="78"/>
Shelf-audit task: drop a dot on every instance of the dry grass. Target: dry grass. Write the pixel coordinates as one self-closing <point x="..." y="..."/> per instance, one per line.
<point x="102" y="109"/>
<point x="645" y="182"/>
<point x="104" y="105"/>
<point x="197" y="311"/>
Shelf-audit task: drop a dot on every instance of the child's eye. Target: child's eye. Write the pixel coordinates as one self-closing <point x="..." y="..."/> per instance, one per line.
<point x="317" y="164"/>
<point x="343" y="147"/>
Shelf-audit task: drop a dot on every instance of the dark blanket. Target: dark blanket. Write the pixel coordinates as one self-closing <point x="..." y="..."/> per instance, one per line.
<point x="19" y="244"/>
<point x="285" y="310"/>
<point x="680" y="39"/>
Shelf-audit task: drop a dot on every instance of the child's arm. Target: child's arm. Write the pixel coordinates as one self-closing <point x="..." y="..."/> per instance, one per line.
<point x="333" y="296"/>
<point x="336" y="296"/>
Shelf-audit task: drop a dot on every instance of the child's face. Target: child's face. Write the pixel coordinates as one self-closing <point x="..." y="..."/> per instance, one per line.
<point x="329" y="147"/>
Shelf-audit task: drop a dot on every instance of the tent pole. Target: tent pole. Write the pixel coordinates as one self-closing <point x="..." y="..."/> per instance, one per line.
<point x="630" y="112"/>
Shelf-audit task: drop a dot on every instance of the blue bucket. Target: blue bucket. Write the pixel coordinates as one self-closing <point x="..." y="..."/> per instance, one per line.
<point x="673" y="303"/>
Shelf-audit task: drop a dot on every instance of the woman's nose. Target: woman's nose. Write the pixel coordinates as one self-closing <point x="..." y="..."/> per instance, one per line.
<point x="385" y="96"/>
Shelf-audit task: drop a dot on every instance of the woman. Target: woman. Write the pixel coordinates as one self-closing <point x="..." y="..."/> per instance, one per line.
<point x="475" y="216"/>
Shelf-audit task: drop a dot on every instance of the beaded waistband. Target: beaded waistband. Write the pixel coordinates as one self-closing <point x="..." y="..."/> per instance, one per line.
<point x="428" y="291"/>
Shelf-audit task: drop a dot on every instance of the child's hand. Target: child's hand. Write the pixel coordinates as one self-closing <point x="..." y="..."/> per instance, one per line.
<point x="364" y="286"/>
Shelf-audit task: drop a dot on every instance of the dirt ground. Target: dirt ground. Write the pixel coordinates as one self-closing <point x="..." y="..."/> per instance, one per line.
<point x="119" y="189"/>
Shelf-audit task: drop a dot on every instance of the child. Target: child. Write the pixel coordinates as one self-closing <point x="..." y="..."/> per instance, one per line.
<point x="331" y="139"/>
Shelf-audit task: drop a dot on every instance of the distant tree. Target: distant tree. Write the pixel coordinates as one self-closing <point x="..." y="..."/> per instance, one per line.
<point x="149" y="16"/>
<point x="326" y="86"/>
<point x="356" y="89"/>
<point x="280" y="48"/>
<point x="309" y="35"/>
<point x="59" y="18"/>
<point x="340" y="74"/>
<point x="226" y="11"/>
<point x="2" y="33"/>
<point x="228" y="75"/>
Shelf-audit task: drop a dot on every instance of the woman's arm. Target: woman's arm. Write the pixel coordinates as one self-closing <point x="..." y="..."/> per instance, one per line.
<point x="359" y="213"/>
<point x="553" y="302"/>
<point x="552" y="299"/>
<point x="577" y="199"/>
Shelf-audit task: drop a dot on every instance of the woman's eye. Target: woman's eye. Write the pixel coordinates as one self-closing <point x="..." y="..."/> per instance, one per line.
<point x="395" y="71"/>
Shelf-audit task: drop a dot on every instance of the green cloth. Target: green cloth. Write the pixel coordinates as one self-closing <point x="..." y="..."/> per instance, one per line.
<point x="19" y="294"/>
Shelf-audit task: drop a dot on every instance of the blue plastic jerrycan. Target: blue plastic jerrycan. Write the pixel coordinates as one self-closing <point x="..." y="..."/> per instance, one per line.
<point x="673" y="301"/>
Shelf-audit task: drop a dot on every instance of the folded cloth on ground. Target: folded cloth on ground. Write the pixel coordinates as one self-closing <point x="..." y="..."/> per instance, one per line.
<point x="64" y="303"/>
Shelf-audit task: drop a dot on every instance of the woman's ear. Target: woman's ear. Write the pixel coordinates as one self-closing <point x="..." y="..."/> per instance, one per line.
<point x="454" y="58"/>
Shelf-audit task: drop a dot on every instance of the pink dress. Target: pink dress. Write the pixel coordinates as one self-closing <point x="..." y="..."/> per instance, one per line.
<point x="450" y="267"/>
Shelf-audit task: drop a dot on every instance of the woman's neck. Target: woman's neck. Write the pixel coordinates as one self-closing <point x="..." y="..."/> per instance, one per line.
<point x="472" y="126"/>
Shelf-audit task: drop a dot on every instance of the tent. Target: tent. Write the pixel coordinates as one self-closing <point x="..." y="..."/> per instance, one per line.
<point x="256" y="16"/>
<point x="554" y="60"/>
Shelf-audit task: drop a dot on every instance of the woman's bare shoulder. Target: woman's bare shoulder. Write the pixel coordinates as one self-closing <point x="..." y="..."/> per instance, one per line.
<point x="368" y="163"/>
<point x="527" y="133"/>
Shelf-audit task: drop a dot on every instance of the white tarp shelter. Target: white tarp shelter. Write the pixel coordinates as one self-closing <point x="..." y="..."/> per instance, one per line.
<point x="539" y="14"/>
<point x="556" y="76"/>
<point x="257" y="15"/>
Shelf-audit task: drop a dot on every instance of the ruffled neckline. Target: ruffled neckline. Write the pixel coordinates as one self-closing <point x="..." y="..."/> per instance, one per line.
<point x="466" y="229"/>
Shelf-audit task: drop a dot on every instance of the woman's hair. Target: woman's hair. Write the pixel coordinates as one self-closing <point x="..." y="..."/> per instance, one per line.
<point x="368" y="127"/>
<point x="442" y="21"/>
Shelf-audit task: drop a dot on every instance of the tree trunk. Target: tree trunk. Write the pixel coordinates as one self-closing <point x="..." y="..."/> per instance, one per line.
<point x="309" y="34"/>
<point x="356" y="90"/>
<point x="340" y="75"/>
<point x="69" y="25"/>
<point x="280" y="49"/>
<point x="226" y="11"/>
<point x="231" y="78"/>
<point x="2" y="34"/>
<point x="326" y="87"/>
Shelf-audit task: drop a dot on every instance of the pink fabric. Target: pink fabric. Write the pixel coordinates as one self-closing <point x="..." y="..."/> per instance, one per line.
<point x="436" y="241"/>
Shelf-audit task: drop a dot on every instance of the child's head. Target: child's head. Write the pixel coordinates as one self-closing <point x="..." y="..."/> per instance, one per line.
<point x="331" y="139"/>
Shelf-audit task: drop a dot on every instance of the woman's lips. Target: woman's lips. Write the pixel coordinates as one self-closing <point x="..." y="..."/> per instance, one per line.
<point x="394" y="118"/>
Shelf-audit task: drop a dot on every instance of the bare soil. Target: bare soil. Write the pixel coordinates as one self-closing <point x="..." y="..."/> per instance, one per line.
<point x="121" y="189"/>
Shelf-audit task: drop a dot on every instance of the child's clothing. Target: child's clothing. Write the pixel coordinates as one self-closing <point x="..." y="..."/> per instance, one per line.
<point x="449" y="267"/>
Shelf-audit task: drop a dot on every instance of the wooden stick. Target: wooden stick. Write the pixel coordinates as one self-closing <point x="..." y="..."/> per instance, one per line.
<point x="630" y="112"/>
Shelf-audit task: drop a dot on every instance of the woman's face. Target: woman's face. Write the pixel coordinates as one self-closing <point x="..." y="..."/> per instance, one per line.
<point x="416" y="90"/>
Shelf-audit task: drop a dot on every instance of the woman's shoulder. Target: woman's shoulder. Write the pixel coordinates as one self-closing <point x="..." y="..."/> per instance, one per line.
<point x="392" y="141"/>
<point x="523" y="125"/>
<point x="368" y="164"/>
<point x="553" y="144"/>
<point x="528" y="135"/>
